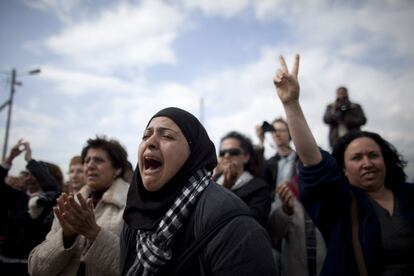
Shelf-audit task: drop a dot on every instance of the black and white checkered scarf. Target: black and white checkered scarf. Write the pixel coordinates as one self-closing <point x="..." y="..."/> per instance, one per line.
<point x="154" y="247"/>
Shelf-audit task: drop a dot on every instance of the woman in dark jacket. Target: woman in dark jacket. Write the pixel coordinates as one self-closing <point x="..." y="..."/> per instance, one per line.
<point x="238" y="170"/>
<point x="173" y="204"/>
<point x="358" y="198"/>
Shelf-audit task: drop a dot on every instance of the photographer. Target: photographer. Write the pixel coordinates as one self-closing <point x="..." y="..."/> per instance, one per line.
<point x="343" y="116"/>
<point x="282" y="166"/>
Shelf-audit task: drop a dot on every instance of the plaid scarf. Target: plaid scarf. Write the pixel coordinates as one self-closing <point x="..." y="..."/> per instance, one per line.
<point x="154" y="247"/>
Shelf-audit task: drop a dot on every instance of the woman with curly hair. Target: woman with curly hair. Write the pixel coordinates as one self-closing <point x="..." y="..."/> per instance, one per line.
<point x="84" y="239"/>
<point x="357" y="197"/>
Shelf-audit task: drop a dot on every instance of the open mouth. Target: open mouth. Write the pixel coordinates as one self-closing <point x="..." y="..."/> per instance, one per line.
<point x="151" y="163"/>
<point x="92" y="175"/>
<point x="368" y="174"/>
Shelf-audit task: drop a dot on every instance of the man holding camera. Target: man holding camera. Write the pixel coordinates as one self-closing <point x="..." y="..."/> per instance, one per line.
<point x="282" y="166"/>
<point x="343" y="116"/>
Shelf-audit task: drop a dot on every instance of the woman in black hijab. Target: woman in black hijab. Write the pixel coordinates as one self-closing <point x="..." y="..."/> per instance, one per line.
<point x="177" y="220"/>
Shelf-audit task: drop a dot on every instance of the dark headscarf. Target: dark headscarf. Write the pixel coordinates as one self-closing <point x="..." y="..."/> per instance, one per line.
<point x="145" y="209"/>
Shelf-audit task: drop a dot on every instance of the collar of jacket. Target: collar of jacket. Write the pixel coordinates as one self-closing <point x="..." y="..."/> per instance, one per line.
<point x="116" y="194"/>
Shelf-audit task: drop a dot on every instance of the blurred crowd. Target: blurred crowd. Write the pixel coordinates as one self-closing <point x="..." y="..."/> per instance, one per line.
<point x="190" y="209"/>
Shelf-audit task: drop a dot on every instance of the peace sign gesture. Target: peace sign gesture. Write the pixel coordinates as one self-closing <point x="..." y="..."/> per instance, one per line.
<point x="287" y="85"/>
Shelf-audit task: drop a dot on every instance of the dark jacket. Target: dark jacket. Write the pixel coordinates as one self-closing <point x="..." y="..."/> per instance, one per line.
<point x="326" y="195"/>
<point x="241" y="247"/>
<point x="256" y="195"/>
<point x="353" y="118"/>
<point x="21" y="232"/>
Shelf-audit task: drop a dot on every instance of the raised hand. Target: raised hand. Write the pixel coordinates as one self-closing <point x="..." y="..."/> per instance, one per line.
<point x="14" y="152"/>
<point x="260" y="134"/>
<point x="286" y="83"/>
<point x="287" y="87"/>
<point x="28" y="150"/>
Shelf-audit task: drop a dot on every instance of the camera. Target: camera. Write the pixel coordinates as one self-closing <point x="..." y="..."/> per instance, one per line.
<point x="266" y="127"/>
<point x="344" y="107"/>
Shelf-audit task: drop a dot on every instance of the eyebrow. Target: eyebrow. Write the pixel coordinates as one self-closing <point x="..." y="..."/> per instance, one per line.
<point x="161" y="129"/>
<point x="363" y="152"/>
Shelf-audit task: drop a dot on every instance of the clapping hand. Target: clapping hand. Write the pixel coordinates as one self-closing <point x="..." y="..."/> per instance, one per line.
<point x="230" y="175"/>
<point x="286" y="196"/>
<point x="68" y="231"/>
<point x="76" y="218"/>
<point x="228" y="170"/>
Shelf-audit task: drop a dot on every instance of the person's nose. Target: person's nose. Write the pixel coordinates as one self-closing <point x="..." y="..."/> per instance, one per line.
<point x="152" y="142"/>
<point x="90" y="164"/>
<point x="366" y="162"/>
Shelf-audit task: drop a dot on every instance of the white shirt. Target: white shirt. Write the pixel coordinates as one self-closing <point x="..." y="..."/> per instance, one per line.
<point x="285" y="167"/>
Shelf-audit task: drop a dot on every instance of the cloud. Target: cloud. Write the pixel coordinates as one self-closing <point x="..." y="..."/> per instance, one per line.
<point x="351" y="28"/>
<point x="366" y="46"/>
<point x="226" y="9"/>
<point x="75" y="82"/>
<point x="239" y="98"/>
<point x="63" y="9"/>
<point x="126" y="35"/>
<point x="370" y="23"/>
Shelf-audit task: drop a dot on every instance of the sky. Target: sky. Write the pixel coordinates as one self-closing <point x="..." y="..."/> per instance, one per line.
<point x="108" y="66"/>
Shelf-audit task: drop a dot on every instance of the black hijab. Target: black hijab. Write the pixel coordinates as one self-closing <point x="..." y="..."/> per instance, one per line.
<point x="145" y="209"/>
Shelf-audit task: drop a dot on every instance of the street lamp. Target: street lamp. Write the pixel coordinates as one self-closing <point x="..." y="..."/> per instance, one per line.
<point x="9" y="103"/>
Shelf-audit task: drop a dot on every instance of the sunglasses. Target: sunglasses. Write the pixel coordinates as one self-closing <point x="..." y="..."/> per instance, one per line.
<point x="230" y="152"/>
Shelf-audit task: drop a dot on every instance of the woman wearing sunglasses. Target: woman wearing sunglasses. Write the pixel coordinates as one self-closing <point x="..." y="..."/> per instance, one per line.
<point x="238" y="170"/>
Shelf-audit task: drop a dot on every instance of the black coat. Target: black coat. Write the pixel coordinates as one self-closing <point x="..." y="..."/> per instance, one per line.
<point x="241" y="247"/>
<point x="256" y="194"/>
<point x="353" y="118"/>
<point x="21" y="232"/>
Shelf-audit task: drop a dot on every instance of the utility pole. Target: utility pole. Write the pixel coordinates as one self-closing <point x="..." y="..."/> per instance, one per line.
<point x="9" y="112"/>
<point x="9" y="102"/>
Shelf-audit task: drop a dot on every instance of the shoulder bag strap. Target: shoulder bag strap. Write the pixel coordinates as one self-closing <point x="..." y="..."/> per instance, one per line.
<point x="359" y="257"/>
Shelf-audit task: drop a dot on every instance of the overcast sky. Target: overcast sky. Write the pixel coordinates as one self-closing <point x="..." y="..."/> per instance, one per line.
<point x="108" y="66"/>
